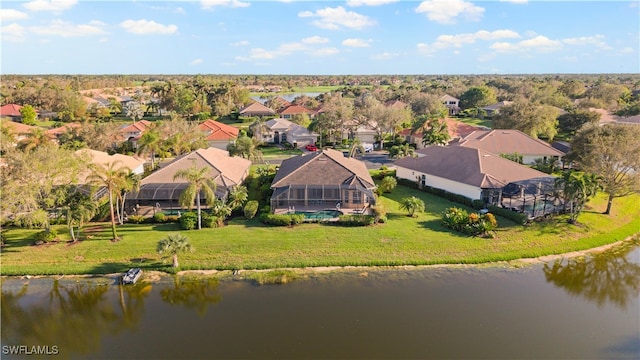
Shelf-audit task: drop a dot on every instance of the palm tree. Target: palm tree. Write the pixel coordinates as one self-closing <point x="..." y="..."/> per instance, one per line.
<point x="112" y="177"/>
<point x="34" y="138"/>
<point x="356" y="148"/>
<point x="80" y="210"/>
<point x="412" y="204"/>
<point x="245" y="147"/>
<point x="131" y="183"/>
<point x="237" y="196"/>
<point x="577" y="187"/>
<point x="174" y="244"/>
<point x="199" y="181"/>
<point x="151" y="143"/>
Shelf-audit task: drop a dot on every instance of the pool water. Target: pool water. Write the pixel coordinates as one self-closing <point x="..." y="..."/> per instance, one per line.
<point x="173" y="212"/>
<point x="320" y="215"/>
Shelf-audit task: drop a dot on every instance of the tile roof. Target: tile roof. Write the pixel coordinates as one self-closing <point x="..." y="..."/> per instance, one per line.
<point x="395" y="104"/>
<point x="507" y="142"/>
<point x="456" y="129"/>
<point x="257" y="108"/>
<point x="294" y="109"/>
<point x="447" y="97"/>
<point x="224" y="169"/>
<point x="138" y="126"/>
<point x="10" y="110"/>
<point x="63" y="129"/>
<point x="102" y="158"/>
<point x="218" y="131"/>
<point x="328" y="167"/>
<point x="469" y="166"/>
<point x="18" y="128"/>
<point x="497" y="105"/>
<point x="286" y="125"/>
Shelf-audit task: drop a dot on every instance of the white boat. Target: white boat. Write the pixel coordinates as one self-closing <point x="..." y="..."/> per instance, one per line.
<point x="131" y="276"/>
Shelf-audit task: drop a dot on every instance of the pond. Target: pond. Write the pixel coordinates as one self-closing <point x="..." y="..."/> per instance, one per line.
<point x="567" y="309"/>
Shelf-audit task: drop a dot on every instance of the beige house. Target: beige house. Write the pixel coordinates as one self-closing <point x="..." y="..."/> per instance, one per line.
<point x="219" y="135"/>
<point x="101" y="158"/>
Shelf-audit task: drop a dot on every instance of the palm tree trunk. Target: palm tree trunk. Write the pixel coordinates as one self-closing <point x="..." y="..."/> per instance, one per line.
<point x="199" y="211"/>
<point x="73" y="235"/>
<point x="113" y="215"/>
<point x="175" y="261"/>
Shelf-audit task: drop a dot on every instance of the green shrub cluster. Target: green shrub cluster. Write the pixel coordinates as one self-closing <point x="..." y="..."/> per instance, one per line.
<point x="516" y="217"/>
<point x="37" y="219"/>
<point x="159" y="218"/>
<point x="469" y="223"/>
<point x="356" y="220"/>
<point x="46" y="235"/>
<point x="251" y="209"/>
<point x="136" y="219"/>
<point x="281" y="219"/>
<point x="189" y="220"/>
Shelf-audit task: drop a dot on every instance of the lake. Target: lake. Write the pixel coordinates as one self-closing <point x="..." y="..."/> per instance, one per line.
<point x="586" y="308"/>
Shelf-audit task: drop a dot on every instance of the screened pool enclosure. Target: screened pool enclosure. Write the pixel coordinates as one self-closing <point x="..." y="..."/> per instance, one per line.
<point x="302" y="197"/>
<point x="535" y="197"/>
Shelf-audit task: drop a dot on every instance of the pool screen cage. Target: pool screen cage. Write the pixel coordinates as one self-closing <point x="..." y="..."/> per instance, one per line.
<point x="167" y="194"/>
<point x="535" y="197"/>
<point x="321" y="197"/>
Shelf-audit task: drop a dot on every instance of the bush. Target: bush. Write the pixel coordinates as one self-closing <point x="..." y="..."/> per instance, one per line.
<point x="379" y="213"/>
<point x="250" y="209"/>
<point x="172" y="219"/>
<point x="208" y="220"/>
<point x="516" y="217"/>
<point x="189" y="220"/>
<point x="159" y="218"/>
<point x="37" y="219"/>
<point x="282" y="219"/>
<point x="388" y="184"/>
<point x="136" y="219"/>
<point x="471" y="224"/>
<point x="46" y="235"/>
<point x="356" y="220"/>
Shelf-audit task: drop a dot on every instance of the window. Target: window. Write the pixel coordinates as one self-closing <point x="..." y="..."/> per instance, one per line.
<point x="423" y="180"/>
<point x="357" y="197"/>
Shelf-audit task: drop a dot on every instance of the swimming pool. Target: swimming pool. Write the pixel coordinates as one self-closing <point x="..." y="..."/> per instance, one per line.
<point x="320" y="215"/>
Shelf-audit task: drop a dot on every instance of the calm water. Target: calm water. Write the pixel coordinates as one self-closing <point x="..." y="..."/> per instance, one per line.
<point x="571" y="309"/>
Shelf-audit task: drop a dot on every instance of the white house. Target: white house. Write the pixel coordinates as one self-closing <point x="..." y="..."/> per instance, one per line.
<point x="282" y="130"/>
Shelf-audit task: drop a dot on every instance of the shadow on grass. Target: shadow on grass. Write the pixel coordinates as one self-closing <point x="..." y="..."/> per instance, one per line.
<point x="435" y="225"/>
<point x="166" y="227"/>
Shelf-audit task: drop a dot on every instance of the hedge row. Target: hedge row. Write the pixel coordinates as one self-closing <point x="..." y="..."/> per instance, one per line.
<point x="281" y="219"/>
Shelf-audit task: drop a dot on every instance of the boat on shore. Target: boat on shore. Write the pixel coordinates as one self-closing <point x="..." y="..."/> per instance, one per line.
<point x="131" y="276"/>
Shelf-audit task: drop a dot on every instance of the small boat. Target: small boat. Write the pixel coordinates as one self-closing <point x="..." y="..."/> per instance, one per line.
<point x="131" y="276"/>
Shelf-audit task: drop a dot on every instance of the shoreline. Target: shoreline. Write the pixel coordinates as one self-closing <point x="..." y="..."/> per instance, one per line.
<point x="153" y="276"/>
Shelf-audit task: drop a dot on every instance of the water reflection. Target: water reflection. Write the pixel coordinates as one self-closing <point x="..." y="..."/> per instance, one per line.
<point x="609" y="277"/>
<point x="192" y="293"/>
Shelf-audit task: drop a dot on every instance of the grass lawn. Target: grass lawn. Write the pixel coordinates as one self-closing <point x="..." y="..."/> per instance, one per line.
<point x="246" y="244"/>
<point x="273" y="151"/>
<point x="477" y="122"/>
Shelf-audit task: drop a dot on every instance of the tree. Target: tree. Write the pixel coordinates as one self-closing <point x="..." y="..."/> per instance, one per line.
<point x="388" y="183"/>
<point x="611" y="152"/>
<point x="131" y="183"/>
<point x="173" y="245"/>
<point x="34" y="138"/>
<point x="577" y="188"/>
<point x="151" y="143"/>
<point x="221" y="211"/>
<point x="112" y="176"/>
<point x="412" y="204"/>
<point x="245" y="147"/>
<point x="436" y="133"/>
<point x="28" y="114"/>
<point x="199" y="181"/>
<point x="80" y="210"/>
<point x="574" y="119"/>
<point x="533" y="120"/>
<point x="477" y="96"/>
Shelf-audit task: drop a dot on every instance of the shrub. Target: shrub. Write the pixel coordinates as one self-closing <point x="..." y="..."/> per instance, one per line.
<point x="250" y="209"/>
<point x="46" y="235"/>
<point x="356" y="220"/>
<point x="37" y="219"/>
<point x="159" y="218"/>
<point x="209" y="221"/>
<point x="388" y="184"/>
<point x="516" y="217"/>
<point x="282" y="219"/>
<point x="172" y="219"/>
<point x="136" y="219"/>
<point x="471" y="224"/>
<point x="379" y="213"/>
<point x="189" y="220"/>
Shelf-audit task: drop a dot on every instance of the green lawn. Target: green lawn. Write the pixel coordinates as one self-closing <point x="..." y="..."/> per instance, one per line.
<point x="477" y="122"/>
<point x="251" y="245"/>
<point x="273" y="151"/>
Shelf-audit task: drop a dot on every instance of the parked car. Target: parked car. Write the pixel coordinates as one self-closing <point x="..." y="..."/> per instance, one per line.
<point x="311" y="147"/>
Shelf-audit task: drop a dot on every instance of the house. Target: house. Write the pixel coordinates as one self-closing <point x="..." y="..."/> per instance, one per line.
<point x="509" y="142"/>
<point x="395" y="104"/>
<point x="160" y="188"/>
<point x="294" y="109"/>
<point x="62" y="130"/>
<point x="101" y="158"/>
<point x="452" y="103"/>
<point x="11" y="111"/>
<point x="281" y="130"/>
<point x="132" y="132"/>
<point x="476" y="174"/>
<point x="219" y="135"/>
<point x="322" y="180"/>
<point x="355" y="130"/>
<point x="455" y="128"/>
<point x="256" y="109"/>
<point x="18" y="130"/>
<point x="494" y="109"/>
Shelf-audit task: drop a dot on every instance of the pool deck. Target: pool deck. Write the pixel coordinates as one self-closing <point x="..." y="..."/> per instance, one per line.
<point x="346" y="211"/>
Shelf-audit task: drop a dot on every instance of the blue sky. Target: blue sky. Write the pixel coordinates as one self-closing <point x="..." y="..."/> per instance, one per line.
<point x="319" y="37"/>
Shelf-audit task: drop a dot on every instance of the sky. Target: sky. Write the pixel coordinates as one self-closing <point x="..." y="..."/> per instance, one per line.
<point x="352" y="37"/>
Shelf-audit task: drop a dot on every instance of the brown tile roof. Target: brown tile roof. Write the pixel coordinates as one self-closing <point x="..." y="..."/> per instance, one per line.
<point x="295" y="109"/>
<point x="63" y="129"/>
<point x="102" y="158"/>
<point x="469" y="166"/>
<point x="10" y="110"/>
<point x="141" y="125"/>
<point x="256" y="108"/>
<point x="456" y="129"/>
<point x="218" y="131"/>
<point x="395" y="104"/>
<point x="328" y="167"/>
<point x="226" y="170"/>
<point x="18" y="128"/>
<point x="507" y="142"/>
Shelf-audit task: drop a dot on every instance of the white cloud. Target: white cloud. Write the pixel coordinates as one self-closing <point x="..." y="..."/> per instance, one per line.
<point x="240" y="43"/>
<point x="596" y="41"/>
<point x="50" y="5"/>
<point x="146" y="27"/>
<point x="12" y="15"/>
<point x="356" y="42"/>
<point x="356" y="3"/>
<point x="13" y="33"/>
<point x="458" y="40"/>
<point x="315" y="40"/>
<point x="627" y="50"/>
<point x="66" y="29"/>
<point x="446" y="11"/>
<point x="324" y="51"/>
<point x="338" y="18"/>
<point x="385" y="56"/>
<point x="210" y="4"/>
<point x="196" y="62"/>
<point x="539" y="44"/>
